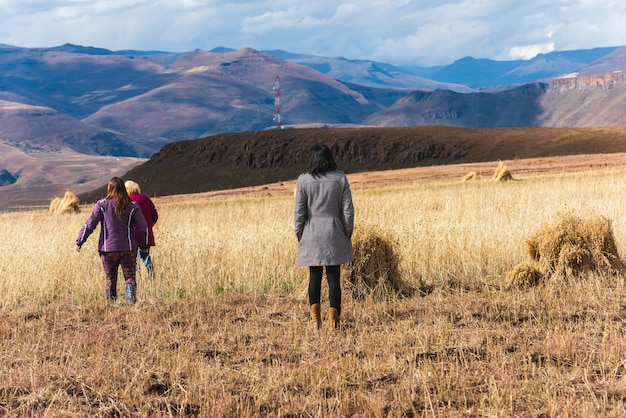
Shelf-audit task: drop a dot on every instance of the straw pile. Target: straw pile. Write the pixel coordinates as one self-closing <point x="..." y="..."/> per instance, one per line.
<point x="68" y="204"/>
<point x="571" y="248"/>
<point x="524" y="275"/>
<point x="374" y="273"/>
<point x="471" y="176"/>
<point x="502" y="173"/>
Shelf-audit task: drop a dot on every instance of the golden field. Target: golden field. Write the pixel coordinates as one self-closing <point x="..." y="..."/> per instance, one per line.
<point x="223" y="330"/>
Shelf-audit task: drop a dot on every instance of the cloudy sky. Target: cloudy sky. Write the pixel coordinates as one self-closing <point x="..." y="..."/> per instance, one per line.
<point x="406" y="32"/>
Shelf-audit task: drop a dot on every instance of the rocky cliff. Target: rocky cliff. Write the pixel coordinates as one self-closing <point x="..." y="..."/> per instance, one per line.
<point x="588" y="82"/>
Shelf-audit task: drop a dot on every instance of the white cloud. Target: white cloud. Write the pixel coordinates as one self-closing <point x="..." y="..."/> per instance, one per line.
<point x="530" y="51"/>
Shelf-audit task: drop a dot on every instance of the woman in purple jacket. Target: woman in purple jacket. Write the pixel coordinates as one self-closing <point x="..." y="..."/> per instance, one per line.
<point x="118" y="217"/>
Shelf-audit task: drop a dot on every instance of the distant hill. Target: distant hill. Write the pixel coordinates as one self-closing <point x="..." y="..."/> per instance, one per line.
<point x="564" y="102"/>
<point x="235" y="160"/>
<point x="370" y="73"/>
<point x="606" y="64"/>
<point x="510" y="108"/>
<point x="212" y="93"/>
<point x="485" y="74"/>
<point x="28" y="128"/>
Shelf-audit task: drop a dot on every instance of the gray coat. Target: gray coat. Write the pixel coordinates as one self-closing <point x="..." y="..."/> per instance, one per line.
<point x="324" y="219"/>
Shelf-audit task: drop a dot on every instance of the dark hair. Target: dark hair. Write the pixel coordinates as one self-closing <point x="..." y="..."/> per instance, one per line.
<point x="116" y="190"/>
<point x="321" y="160"/>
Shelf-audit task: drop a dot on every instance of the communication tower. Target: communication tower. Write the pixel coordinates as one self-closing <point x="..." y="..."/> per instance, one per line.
<point x="278" y="107"/>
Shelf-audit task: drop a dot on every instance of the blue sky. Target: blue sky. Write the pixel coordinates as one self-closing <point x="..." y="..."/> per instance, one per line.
<point x="402" y="32"/>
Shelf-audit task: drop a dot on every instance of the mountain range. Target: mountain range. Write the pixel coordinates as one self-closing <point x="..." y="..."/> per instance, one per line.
<point x="69" y="102"/>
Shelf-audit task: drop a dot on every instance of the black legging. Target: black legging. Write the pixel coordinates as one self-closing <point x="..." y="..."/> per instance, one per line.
<point x="334" y="287"/>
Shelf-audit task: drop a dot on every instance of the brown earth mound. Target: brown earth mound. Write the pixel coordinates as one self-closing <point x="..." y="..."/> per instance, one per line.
<point x="231" y="161"/>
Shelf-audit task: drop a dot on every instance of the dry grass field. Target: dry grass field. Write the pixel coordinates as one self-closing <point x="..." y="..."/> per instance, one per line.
<point x="223" y="330"/>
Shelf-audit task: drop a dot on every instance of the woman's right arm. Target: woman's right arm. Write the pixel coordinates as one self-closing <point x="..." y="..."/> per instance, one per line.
<point x="97" y="213"/>
<point x="348" y="209"/>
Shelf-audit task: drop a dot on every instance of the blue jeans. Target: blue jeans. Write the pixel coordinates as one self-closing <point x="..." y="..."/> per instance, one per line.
<point x="147" y="261"/>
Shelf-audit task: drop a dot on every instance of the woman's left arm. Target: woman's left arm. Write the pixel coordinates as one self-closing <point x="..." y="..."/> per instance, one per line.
<point x="299" y="212"/>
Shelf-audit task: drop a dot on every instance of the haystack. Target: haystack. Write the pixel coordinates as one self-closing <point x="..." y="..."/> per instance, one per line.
<point x="375" y="272"/>
<point x="68" y="204"/>
<point x="572" y="248"/>
<point x="471" y="176"/>
<point x="502" y="173"/>
<point x="524" y="275"/>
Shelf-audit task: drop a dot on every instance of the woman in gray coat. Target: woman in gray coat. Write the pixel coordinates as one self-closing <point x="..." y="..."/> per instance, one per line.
<point x="324" y="221"/>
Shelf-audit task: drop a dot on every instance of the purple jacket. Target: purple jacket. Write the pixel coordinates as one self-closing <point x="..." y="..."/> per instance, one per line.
<point x="116" y="232"/>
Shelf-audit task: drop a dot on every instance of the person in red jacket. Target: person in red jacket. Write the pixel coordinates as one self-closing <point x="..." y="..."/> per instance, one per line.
<point x="151" y="215"/>
<point x="123" y="230"/>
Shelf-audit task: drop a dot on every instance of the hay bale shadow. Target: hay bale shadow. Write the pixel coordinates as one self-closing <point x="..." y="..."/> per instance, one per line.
<point x="68" y="204"/>
<point x="570" y="248"/>
<point x="375" y="271"/>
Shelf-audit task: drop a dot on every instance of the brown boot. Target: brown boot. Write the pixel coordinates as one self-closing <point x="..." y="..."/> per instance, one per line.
<point x="334" y="318"/>
<point x="316" y="318"/>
